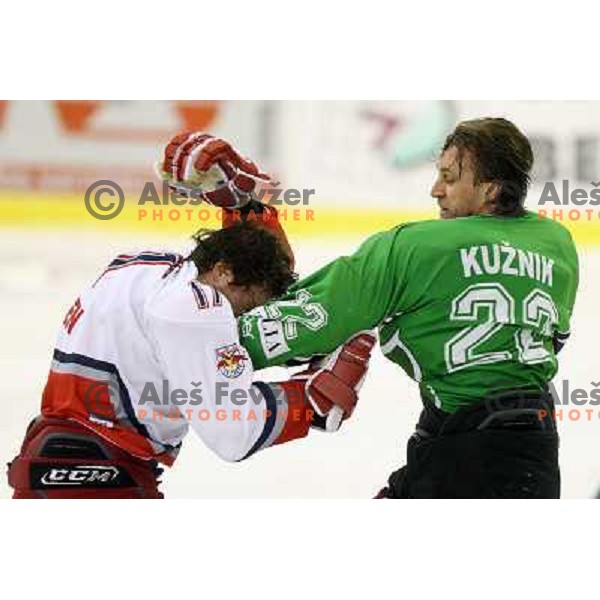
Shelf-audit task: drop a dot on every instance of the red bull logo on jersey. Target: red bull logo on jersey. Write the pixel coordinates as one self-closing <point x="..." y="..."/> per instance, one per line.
<point x="231" y="360"/>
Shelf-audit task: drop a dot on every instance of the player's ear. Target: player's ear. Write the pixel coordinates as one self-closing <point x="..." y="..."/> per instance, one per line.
<point x="491" y="192"/>
<point x="223" y="273"/>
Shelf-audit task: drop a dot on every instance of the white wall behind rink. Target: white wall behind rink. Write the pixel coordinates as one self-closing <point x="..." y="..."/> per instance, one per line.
<point x="350" y="152"/>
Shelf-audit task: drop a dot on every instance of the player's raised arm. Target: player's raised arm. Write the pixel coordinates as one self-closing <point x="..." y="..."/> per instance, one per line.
<point x="350" y="295"/>
<point x="199" y="165"/>
<point x="320" y="312"/>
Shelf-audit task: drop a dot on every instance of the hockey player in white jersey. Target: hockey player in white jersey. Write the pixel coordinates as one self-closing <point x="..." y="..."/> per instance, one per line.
<point x="151" y="349"/>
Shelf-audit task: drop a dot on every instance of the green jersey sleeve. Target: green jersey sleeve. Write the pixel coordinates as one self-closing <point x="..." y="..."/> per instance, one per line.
<point x="570" y="293"/>
<point x="322" y="311"/>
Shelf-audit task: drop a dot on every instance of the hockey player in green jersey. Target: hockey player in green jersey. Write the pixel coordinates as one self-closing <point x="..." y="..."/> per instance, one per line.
<point x="474" y="307"/>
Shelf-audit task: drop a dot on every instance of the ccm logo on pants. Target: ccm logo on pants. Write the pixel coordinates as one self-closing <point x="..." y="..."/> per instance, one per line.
<point x="52" y="475"/>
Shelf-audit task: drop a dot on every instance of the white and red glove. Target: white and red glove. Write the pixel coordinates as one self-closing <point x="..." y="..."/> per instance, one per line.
<point x="200" y="165"/>
<point x="332" y="385"/>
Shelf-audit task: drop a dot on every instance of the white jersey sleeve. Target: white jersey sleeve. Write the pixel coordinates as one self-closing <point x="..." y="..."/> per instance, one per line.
<point x="209" y="374"/>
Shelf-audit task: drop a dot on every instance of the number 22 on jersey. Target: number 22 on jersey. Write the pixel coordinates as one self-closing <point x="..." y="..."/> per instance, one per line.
<point x="538" y="318"/>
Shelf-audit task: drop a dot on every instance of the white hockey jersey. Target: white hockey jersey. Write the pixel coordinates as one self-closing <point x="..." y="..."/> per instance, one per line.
<point x="148" y="351"/>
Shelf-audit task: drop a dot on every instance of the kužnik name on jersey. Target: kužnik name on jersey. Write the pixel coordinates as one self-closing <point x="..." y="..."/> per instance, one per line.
<point x="493" y="259"/>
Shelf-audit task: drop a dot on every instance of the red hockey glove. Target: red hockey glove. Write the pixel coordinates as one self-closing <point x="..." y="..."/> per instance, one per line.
<point x="322" y="396"/>
<point x="200" y="165"/>
<point x="332" y="387"/>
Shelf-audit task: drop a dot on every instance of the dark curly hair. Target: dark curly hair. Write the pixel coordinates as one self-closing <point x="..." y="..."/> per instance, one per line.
<point x="253" y="254"/>
<point x="501" y="154"/>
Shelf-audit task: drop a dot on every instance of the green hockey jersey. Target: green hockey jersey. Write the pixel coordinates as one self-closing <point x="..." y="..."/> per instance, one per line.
<point x="466" y="306"/>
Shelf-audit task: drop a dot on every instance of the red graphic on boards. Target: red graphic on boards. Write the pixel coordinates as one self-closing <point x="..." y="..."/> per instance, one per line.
<point x="197" y="114"/>
<point x="77" y="117"/>
<point x="3" y="105"/>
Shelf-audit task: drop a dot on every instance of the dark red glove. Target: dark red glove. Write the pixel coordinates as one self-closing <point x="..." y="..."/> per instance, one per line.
<point x="332" y="387"/>
<point x="211" y="168"/>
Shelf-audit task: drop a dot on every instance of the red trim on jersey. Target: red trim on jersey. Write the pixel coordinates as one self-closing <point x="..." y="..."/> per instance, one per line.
<point x="139" y="262"/>
<point x="66" y="396"/>
<point x="299" y="414"/>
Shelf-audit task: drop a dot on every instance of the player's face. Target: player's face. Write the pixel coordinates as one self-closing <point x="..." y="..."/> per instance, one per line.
<point x="454" y="189"/>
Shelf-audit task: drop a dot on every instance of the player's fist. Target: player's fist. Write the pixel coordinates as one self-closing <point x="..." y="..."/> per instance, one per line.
<point x="200" y="165"/>
<point x="332" y="388"/>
